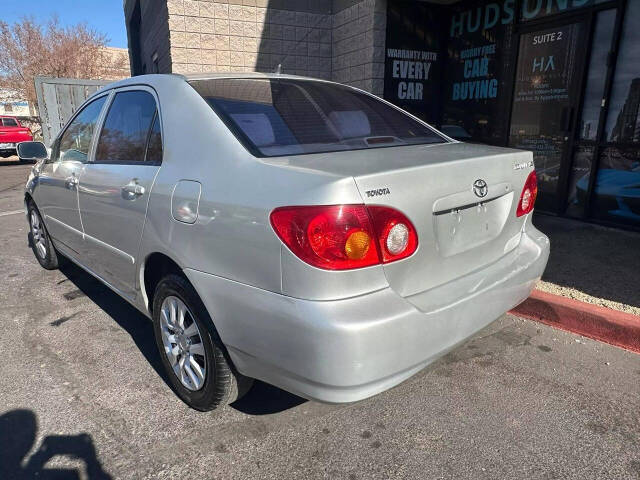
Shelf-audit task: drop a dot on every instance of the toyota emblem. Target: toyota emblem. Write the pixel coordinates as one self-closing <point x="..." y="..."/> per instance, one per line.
<point x="480" y="188"/>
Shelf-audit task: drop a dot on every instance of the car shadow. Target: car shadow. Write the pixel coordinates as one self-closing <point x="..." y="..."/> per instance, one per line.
<point x="137" y="325"/>
<point x="265" y="399"/>
<point x="262" y="399"/>
<point x="18" y="433"/>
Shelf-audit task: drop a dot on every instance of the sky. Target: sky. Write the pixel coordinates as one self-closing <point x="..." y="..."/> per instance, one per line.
<point x="105" y="16"/>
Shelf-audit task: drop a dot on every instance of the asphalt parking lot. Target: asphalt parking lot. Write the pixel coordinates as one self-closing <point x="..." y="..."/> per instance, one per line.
<point x="82" y="394"/>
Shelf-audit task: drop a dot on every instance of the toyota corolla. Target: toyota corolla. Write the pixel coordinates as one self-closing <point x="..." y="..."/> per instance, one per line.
<point x="297" y="231"/>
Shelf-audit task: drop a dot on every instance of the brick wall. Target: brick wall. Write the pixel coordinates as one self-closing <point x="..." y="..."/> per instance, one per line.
<point x="300" y="41"/>
<point x="216" y="36"/>
<point x="342" y="40"/>
<point x="152" y="34"/>
<point x="359" y="33"/>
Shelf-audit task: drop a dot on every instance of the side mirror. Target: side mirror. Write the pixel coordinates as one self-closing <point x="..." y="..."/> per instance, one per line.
<point x="31" y="151"/>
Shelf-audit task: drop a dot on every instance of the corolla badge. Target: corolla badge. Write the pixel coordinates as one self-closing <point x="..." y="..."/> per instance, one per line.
<point x="480" y="188"/>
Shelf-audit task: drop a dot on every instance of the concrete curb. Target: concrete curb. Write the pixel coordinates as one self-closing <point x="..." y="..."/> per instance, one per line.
<point x="593" y="321"/>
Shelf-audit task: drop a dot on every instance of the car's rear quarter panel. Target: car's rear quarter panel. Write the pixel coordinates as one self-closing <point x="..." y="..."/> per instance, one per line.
<point x="232" y="237"/>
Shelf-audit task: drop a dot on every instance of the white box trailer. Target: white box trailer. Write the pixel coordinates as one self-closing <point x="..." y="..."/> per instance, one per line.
<point x="59" y="98"/>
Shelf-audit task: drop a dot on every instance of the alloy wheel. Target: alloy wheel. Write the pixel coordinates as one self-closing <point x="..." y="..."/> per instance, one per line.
<point x="38" y="234"/>
<point x="183" y="343"/>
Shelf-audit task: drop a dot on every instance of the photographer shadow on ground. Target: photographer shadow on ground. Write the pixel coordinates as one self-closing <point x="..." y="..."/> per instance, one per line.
<point x="18" y="432"/>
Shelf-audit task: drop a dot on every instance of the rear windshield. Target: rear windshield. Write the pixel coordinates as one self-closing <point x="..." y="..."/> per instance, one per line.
<point x="274" y="117"/>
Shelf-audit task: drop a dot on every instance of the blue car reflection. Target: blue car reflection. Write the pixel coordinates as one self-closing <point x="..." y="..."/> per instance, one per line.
<point x="618" y="192"/>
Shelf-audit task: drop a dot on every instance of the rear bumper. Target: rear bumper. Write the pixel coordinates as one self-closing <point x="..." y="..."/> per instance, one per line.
<point x="347" y="350"/>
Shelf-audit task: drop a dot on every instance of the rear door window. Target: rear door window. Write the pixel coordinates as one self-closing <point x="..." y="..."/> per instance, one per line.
<point x="126" y="128"/>
<point x="9" y="122"/>
<point x="154" y="146"/>
<point x="273" y="117"/>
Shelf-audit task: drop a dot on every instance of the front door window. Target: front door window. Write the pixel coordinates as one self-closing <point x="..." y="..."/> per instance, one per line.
<point x="76" y="139"/>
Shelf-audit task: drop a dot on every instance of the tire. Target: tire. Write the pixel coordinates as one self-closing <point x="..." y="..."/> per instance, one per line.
<point x="221" y="384"/>
<point x="40" y="241"/>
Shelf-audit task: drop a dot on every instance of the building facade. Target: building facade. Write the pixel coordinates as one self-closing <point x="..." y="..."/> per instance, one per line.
<point x="341" y="40"/>
<point x="558" y="77"/>
<point x="14" y="104"/>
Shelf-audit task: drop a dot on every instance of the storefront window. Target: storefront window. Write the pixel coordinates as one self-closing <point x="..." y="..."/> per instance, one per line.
<point x="413" y="58"/>
<point x="479" y="70"/>
<point x="596" y="76"/>
<point x="543" y="101"/>
<point x="524" y="73"/>
<point x="623" y="124"/>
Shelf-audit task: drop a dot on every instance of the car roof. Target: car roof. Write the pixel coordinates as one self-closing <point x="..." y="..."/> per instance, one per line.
<point x="158" y="78"/>
<point x="216" y="75"/>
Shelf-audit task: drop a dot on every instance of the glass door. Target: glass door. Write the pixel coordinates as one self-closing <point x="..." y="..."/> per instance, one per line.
<point x="545" y="99"/>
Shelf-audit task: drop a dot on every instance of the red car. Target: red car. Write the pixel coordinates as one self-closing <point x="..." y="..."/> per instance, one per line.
<point x="11" y="132"/>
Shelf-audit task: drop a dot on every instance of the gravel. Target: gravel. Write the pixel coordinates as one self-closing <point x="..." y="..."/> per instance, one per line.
<point x="592" y="263"/>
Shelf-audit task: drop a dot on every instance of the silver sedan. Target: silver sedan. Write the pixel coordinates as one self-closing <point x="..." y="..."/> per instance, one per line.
<point x="297" y="231"/>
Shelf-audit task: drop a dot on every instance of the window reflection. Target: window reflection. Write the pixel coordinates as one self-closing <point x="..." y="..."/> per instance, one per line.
<point x="290" y="117"/>
<point x="594" y="91"/>
<point x="154" y="149"/>
<point x="617" y="189"/>
<point x="579" y="180"/>
<point x="543" y="99"/>
<point x="623" y="124"/>
<point x="124" y="135"/>
<point x="76" y="140"/>
<point x="475" y="101"/>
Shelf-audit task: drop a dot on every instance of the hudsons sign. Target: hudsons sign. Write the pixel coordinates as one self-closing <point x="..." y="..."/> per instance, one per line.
<point x="491" y="14"/>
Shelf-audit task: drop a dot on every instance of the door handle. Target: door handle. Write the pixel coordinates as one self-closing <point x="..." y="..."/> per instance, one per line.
<point x="134" y="188"/>
<point x="71" y="182"/>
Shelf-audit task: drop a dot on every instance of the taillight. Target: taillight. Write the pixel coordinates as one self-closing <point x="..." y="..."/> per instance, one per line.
<point x="528" y="195"/>
<point x="397" y="237"/>
<point x="342" y="237"/>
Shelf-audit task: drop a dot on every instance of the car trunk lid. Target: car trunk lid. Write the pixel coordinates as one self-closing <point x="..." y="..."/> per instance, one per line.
<point x="461" y="227"/>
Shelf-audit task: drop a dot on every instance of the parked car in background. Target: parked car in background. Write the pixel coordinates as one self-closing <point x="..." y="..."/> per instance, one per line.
<point x="456" y="132"/>
<point x="297" y="231"/>
<point x="617" y="191"/>
<point x="12" y="133"/>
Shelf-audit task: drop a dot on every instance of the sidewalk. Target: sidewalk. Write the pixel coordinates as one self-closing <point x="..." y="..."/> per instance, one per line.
<point x="592" y="282"/>
<point x="592" y="264"/>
